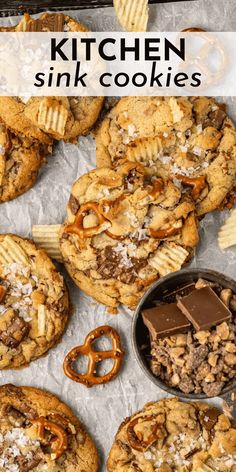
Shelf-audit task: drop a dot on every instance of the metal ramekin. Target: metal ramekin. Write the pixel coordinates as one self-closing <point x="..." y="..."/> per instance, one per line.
<point x="140" y="332"/>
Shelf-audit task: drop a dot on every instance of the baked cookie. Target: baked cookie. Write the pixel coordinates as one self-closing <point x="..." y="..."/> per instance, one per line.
<point x="63" y="117"/>
<point x="55" y="22"/>
<point x="182" y="138"/>
<point x="171" y="436"/>
<point x="34" y="303"/>
<point x="20" y="161"/>
<point x="125" y="230"/>
<point x="44" y="118"/>
<point x="38" y="432"/>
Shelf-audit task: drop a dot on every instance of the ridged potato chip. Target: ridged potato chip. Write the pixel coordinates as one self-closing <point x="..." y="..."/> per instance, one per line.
<point x="52" y="116"/>
<point x="227" y="233"/>
<point x="168" y="258"/>
<point x="132" y="14"/>
<point x="47" y="237"/>
<point x="11" y="252"/>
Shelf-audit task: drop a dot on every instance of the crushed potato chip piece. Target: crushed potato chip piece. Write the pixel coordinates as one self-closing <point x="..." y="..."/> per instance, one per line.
<point x="132" y="14"/>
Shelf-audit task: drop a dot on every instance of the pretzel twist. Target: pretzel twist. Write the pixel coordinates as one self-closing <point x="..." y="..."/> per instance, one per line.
<point x="59" y="444"/>
<point x="136" y="440"/>
<point x="77" y="226"/>
<point x="89" y="379"/>
<point x="197" y="183"/>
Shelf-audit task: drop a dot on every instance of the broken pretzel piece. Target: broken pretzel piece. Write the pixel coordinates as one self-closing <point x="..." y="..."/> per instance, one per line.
<point x="197" y="183"/>
<point x="2" y="293"/>
<point x="59" y="442"/>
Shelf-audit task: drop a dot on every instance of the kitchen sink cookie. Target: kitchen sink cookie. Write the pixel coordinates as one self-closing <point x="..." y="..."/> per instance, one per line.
<point x="38" y="432"/>
<point x="44" y="118"/>
<point x="171" y="436"/>
<point x="34" y="303"/>
<point x="63" y="117"/>
<point x="55" y="22"/>
<point x="124" y="230"/>
<point x="20" y="161"/>
<point x="180" y="138"/>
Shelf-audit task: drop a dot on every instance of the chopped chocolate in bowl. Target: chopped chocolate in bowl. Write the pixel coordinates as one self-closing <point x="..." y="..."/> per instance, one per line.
<point x="185" y="344"/>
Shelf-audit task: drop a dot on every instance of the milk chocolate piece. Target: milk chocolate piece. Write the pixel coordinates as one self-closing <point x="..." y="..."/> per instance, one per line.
<point x="50" y="22"/>
<point x="210" y="417"/>
<point x="165" y="320"/>
<point x="203" y="308"/>
<point x="171" y="297"/>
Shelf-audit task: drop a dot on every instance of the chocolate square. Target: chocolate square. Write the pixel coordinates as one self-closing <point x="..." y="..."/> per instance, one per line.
<point x="165" y="320"/>
<point x="203" y="308"/>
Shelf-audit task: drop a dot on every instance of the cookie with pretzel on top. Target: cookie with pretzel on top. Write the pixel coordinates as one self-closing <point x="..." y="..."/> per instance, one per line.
<point x="180" y="138"/>
<point x="39" y="432"/>
<point x="124" y="230"/>
<point x="170" y="435"/>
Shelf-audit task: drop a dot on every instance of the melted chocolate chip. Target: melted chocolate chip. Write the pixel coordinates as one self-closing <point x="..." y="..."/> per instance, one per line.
<point x="209" y="418"/>
<point x="215" y="118"/>
<point x="74" y="204"/>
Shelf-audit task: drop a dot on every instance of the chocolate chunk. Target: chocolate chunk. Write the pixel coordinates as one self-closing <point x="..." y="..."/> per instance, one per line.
<point x="73" y="204"/>
<point x="15" y="332"/>
<point x="165" y="320"/>
<point x="209" y="418"/>
<point x="171" y="297"/>
<point x="49" y="22"/>
<point x="203" y="308"/>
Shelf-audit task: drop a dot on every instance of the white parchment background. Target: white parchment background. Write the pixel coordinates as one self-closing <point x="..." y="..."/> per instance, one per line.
<point x="103" y="408"/>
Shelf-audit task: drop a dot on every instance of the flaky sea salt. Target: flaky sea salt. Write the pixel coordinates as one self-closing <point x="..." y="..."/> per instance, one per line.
<point x="131" y="131"/>
<point x="165" y="159"/>
<point x="199" y="129"/>
<point x="197" y="150"/>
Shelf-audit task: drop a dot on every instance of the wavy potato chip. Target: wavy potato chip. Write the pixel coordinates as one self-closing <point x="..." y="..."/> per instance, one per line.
<point x="47" y="237"/>
<point x="132" y="14"/>
<point x="168" y="258"/>
<point x="11" y="252"/>
<point x="227" y="233"/>
<point x="52" y="116"/>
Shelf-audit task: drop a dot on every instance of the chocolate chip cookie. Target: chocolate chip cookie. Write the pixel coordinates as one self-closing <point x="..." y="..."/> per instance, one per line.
<point x="63" y="117"/>
<point x="180" y="138"/>
<point x="169" y="435"/>
<point x="34" y="303"/>
<point x="44" y="118"/>
<point x="39" y="432"/>
<point x="20" y="161"/>
<point x="124" y="230"/>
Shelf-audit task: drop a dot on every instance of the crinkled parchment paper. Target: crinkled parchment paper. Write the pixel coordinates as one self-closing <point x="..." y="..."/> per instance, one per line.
<point x="102" y="408"/>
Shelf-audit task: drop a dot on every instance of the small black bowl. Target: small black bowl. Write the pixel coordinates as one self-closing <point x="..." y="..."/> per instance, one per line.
<point x="140" y="334"/>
